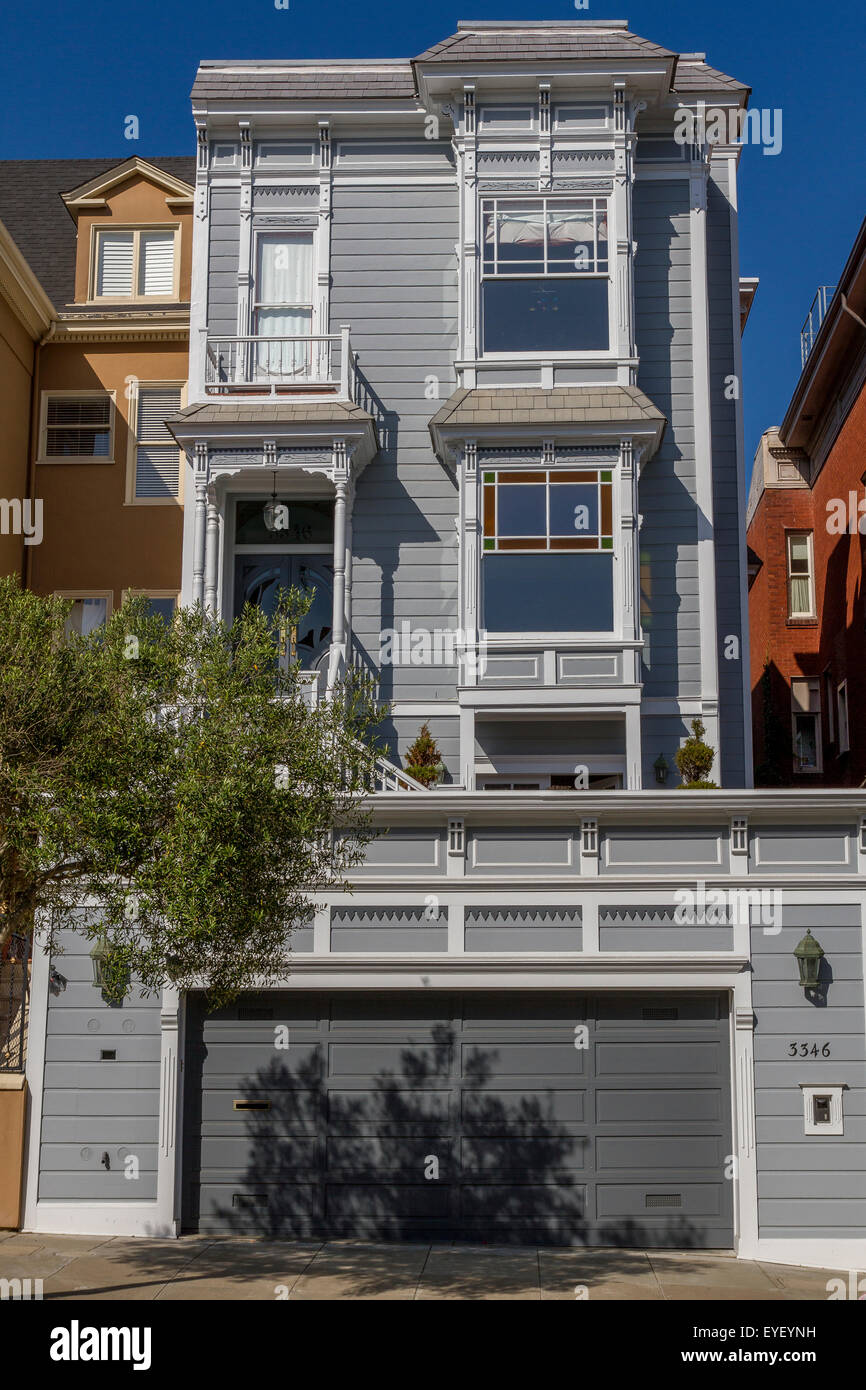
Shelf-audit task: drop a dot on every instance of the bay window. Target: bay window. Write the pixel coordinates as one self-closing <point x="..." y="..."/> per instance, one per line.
<point x="545" y="274"/>
<point x="547" y="550"/>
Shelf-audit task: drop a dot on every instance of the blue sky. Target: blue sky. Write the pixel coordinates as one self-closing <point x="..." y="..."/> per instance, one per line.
<point x="71" y="73"/>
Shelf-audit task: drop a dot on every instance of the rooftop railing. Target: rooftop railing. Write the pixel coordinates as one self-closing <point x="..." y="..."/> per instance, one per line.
<point x="814" y="319"/>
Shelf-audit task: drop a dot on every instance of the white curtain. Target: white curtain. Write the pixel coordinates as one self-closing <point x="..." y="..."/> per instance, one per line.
<point x="285" y="285"/>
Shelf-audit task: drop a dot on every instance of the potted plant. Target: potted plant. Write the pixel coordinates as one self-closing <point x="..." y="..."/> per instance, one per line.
<point x="423" y="759"/>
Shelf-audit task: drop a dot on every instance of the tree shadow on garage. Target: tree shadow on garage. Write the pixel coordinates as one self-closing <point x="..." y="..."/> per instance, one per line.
<point x="383" y="1158"/>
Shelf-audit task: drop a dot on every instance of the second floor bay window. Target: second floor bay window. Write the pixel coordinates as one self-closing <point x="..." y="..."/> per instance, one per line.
<point x="547" y="550"/>
<point x="283" y="308"/>
<point x="545" y="274"/>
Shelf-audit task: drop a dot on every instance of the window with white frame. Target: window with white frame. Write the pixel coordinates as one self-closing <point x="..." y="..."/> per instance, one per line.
<point x="161" y="603"/>
<point x="88" y="612"/>
<point x="76" y="428"/>
<point x="283" y="303"/>
<point x="842" y="712"/>
<point x="155" y="456"/>
<point x="806" y="721"/>
<point x="545" y="274"/>
<point x="135" y="263"/>
<point x="801" y="575"/>
<point x="547" y="550"/>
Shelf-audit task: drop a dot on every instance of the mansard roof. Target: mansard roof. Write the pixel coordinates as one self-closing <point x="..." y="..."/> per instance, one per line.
<point x="475" y="43"/>
<point x="383" y="79"/>
<point x="493" y="42"/>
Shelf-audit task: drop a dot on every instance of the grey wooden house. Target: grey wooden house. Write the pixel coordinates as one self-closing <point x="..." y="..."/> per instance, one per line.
<point x="474" y="320"/>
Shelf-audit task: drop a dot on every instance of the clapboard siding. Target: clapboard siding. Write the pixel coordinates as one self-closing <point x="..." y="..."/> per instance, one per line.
<point x="728" y="522"/>
<point x="90" y="1106"/>
<point x="223" y="252"/>
<point x="394" y="276"/>
<point x="663" y="332"/>
<point x="809" y="1185"/>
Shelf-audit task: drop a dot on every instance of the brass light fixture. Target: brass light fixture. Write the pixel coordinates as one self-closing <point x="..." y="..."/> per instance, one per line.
<point x="269" y="511"/>
<point x="808" y="955"/>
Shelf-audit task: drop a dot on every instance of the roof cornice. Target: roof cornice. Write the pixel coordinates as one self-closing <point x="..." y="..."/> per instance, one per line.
<point x="91" y="194"/>
<point x="22" y="290"/>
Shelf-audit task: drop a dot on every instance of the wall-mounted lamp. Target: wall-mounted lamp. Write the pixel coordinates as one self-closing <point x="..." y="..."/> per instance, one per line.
<point x="661" y="769"/>
<point x="808" y="955"/>
<point x="98" y="957"/>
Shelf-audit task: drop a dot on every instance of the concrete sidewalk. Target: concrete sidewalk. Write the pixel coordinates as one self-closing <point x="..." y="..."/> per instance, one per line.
<point x="201" y="1267"/>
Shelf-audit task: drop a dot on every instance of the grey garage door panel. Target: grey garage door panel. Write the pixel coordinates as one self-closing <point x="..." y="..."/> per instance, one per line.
<point x="473" y="1116"/>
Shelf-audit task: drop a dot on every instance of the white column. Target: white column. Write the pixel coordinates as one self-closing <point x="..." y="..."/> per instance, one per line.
<point x="338" y="626"/>
<point x="198" y="553"/>
<point x="633" y="758"/>
<point x="704" y="452"/>
<point x="168" y="1216"/>
<point x="212" y="544"/>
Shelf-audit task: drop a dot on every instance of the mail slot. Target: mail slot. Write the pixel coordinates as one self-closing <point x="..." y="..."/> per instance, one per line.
<point x="252" y="1105"/>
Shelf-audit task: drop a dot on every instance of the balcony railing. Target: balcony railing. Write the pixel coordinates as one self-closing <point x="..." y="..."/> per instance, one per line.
<point x="814" y="319"/>
<point x="262" y="365"/>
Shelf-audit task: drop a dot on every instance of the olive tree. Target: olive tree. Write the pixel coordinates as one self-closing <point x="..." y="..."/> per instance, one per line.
<point x="176" y="778"/>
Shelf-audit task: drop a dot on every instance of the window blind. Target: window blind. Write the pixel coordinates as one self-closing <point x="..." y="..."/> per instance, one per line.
<point x="157" y="462"/>
<point x="156" y="264"/>
<point x="116" y="253"/>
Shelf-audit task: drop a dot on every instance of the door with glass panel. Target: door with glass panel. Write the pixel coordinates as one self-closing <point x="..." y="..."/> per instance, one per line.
<point x="283" y="307"/>
<point x="298" y="555"/>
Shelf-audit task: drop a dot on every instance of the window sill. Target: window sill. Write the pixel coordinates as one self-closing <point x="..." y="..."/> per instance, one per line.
<point x="154" y="502"/>
<point x="801" y="622"/>
<point x="64" y="462"/>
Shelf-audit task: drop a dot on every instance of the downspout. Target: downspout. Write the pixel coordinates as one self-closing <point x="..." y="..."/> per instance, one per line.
<point x="33" y="437"/>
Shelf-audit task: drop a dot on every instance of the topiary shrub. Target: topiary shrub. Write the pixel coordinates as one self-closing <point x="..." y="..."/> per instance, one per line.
<point x="694" y="760"/>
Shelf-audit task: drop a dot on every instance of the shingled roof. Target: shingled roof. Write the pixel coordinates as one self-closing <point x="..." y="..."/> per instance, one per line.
<point x="37" y="219"/>
<point x="286" y="412"/>
<point x="694" y="74"/>
<point x="356" y="81"/>
<point x="495" y="43"/>
<point x="530" y="405"/>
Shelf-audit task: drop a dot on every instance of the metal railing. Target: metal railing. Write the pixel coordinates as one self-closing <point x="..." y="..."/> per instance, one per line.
<point x="14" y="990"/>
<point x="262" y="365"/>
<point x="815" y="317"/>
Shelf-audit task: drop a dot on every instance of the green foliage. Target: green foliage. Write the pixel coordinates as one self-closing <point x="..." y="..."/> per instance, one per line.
<point x="177" y="776"/>
<point x="423" y="759"/>
<point x="694" y="760"/>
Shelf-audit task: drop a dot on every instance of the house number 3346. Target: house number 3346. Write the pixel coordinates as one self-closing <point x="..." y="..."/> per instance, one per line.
<point x="804" y="1049"/>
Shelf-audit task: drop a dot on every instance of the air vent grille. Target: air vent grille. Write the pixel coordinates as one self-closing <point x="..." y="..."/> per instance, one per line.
<point x="249" y="1199"/>
<point x="661" y="1013"/>
<point x="255" y="1013"/>
<point x="663" y="1199"/>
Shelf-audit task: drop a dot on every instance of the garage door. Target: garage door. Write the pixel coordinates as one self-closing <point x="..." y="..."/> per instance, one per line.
<point x="571" y="1119"/>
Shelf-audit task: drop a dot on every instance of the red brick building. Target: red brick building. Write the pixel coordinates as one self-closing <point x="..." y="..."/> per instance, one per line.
<point x="806" y="523"/>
